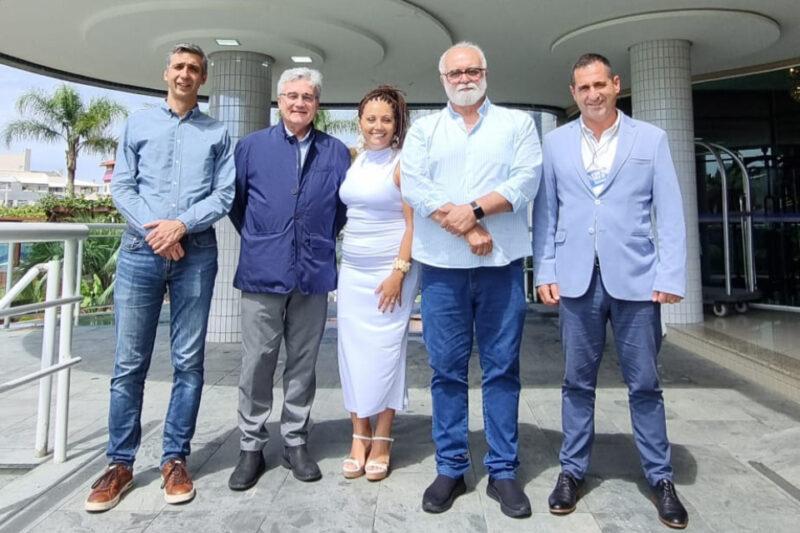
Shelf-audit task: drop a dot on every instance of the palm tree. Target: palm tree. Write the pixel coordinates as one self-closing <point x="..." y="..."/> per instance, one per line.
<point x="63" y="115"/>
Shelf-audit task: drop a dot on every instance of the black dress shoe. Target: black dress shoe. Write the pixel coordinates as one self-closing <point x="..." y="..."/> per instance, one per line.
<point x="249" y="468"/>
<point x="671" y="511"/>
<point x="513" y="501"/>
<point x="303" y="467"/>
<point x="440" y="494"/>
<point x="565" y="494"/>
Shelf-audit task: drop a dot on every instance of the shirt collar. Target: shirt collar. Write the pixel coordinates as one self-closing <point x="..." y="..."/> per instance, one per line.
<point x="168" y="110"/>
<point x="304" y="140"/>
<point x="607" y="133"/>
<point x="482" y="110"/>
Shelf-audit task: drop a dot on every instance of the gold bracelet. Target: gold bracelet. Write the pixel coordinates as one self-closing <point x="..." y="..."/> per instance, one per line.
<point x="402" y="265"/>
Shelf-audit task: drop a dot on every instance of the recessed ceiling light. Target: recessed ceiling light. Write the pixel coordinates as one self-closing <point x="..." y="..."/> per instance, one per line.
<point x="301" y="59"/>
<point x="227" y="42"/>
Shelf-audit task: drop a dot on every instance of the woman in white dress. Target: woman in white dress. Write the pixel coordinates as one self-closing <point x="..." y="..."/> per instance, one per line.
<point x="377" y="285"/>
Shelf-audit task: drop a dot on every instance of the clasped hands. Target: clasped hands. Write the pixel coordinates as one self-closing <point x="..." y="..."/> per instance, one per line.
<point x="460" y="220"/>
<point x="164" y="238"/>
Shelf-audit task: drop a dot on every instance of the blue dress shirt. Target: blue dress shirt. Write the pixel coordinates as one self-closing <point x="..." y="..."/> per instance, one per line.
<point x="442" y="162"/>
<point x="170" y="168"/>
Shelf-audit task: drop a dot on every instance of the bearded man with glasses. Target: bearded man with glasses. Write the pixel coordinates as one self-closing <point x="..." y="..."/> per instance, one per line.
<point x="470" y="172"/>
<point x="288" y="213"/>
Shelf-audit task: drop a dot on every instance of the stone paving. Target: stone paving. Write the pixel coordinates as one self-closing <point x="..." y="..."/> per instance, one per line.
<point x="735" y="451"/>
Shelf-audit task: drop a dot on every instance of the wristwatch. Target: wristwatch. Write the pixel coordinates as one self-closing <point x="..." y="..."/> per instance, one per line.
<point x="477" y="210"/>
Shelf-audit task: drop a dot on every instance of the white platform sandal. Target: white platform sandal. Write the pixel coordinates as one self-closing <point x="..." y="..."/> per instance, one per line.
<point x="351" y="467"/>
<point x="377" y="470"/>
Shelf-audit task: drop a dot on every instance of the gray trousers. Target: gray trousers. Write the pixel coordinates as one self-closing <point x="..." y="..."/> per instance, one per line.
<point x="266" y="320"/>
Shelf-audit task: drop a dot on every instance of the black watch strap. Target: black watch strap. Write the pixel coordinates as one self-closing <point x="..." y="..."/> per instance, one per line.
<point x="477" y="210"/>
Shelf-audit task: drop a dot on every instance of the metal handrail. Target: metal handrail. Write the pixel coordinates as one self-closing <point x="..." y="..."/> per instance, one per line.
<point x="71" y="235"/>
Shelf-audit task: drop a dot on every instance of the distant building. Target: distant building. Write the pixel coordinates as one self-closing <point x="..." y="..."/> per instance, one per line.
<point x="109" y="165"/>
<point x="19" y="185"/>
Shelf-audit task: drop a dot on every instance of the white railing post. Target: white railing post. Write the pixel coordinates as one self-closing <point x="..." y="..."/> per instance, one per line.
<point x="65" y="351"/>
<point x="78" y="276"/>
<point x="9" y="277"/>
<point x="48" y="359"/>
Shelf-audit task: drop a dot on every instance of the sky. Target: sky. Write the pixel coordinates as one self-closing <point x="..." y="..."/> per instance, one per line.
<point x="50" y="156"/>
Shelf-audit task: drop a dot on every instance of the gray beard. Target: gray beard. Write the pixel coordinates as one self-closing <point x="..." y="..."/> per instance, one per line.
<point x="466" y="98"/>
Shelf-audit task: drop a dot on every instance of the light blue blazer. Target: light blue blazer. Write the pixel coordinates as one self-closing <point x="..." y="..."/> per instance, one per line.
<point x="635" y="225"/>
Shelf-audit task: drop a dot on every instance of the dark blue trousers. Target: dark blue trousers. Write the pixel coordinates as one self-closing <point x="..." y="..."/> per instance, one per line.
<point x="489" y="302"/>
<point x="637" y="334"/>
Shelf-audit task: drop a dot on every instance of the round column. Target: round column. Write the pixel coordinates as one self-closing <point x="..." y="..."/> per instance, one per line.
<point x="661" y="93"/>
<point x="240" y="97"/>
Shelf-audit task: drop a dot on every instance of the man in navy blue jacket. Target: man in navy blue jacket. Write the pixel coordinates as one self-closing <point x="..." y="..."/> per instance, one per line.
<point x="288" y="213"/>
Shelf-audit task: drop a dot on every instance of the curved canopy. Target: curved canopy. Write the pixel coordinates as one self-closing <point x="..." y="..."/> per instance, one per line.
<point x="530" y="45"/>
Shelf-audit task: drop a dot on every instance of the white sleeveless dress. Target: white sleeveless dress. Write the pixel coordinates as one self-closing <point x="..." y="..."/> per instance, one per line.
<point x="372" y="345"/>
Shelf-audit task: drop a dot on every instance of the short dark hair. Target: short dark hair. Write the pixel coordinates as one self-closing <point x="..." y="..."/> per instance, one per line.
<point x="587" y="59"/>
<point x="393" y="97"/>
<point x="189" y="48"/>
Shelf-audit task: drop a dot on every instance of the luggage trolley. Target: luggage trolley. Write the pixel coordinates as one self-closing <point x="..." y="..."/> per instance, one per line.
<point x="722" y="299"/>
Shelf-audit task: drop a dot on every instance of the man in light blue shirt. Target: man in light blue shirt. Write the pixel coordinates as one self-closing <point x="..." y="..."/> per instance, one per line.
<point x="174" y="177"/>
<point x="470" y="172"/>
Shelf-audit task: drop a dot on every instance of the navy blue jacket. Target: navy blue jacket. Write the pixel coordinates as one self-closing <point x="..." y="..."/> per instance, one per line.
<point x="287" y="217"/>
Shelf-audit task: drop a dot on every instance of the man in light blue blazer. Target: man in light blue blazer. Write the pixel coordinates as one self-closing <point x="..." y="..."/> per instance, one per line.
<point x="609" y="244"/>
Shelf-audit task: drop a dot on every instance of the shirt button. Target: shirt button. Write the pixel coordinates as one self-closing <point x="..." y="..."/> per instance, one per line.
<point x="591" y="231"/>
<point x="597" y="201"/>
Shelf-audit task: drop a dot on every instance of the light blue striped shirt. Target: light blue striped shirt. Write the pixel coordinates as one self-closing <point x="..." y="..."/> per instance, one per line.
<point x="442" y="162"/>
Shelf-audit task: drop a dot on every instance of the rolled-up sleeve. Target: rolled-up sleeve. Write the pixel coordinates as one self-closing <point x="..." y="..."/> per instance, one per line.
<point x="523" y="181"/>
<point x="203" y="214"/>
<point x="419" y="189"/>
<point x="125" y="187"/>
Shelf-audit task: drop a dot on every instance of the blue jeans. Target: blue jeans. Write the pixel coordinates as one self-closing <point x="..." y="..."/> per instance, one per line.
<point x="491" y="302"/>
<point x="141" y="282"/>
<point x="637" y="334"/>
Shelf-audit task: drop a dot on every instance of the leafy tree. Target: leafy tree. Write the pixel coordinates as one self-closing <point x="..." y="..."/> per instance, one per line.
<point x="324" y="121"/>
<point x="63" y="116"/>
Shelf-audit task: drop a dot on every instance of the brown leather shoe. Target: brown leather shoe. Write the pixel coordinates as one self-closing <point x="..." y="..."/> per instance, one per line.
<point x="109" y="488"/>
<point x="176" y="482"/>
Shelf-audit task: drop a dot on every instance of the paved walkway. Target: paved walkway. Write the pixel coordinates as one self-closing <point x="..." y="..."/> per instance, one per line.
<point x="735" y="451"/>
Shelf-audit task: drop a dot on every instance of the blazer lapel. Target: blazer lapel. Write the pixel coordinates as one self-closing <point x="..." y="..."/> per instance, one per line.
<point x="576" y="152"/>
<point x="627" y="136"/>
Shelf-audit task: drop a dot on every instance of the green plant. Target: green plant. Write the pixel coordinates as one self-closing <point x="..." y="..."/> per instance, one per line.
<point x="71" y="209"/>
<point x="63" y="116"/>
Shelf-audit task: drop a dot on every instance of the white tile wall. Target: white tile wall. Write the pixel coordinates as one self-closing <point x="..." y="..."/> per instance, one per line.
<point x="240" y="97"/>
<point x="661" y="93"/>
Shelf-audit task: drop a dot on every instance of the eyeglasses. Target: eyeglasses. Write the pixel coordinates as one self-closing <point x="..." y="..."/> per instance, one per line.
<point x="473" y="73"/>
<point x="293" y="97"/>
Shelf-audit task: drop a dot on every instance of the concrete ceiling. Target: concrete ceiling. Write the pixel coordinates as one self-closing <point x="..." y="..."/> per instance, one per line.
<point x="530" y="44"/>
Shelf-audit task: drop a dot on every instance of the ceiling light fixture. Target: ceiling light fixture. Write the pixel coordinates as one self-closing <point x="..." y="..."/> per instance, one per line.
<point x="302" y="59"/>
<point x="227" y="42"/>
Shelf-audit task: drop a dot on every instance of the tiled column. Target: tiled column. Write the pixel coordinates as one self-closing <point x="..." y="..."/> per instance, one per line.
<point x="241" y="84"/>
<point x="661" y="93"/>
